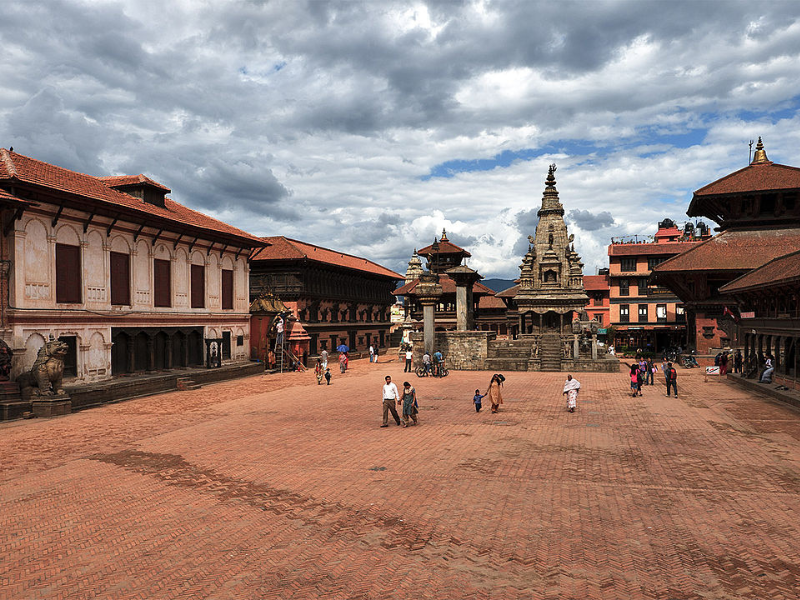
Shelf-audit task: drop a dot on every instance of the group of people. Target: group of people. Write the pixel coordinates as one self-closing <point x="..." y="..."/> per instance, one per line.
<point x="643" y="371"/>
<point x="408" y="401"/>
<point x="433" y="367"/>
<point x="724" y="359"/>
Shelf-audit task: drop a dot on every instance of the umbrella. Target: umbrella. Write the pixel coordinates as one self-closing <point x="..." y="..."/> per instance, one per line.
<point x="343" y="348"/>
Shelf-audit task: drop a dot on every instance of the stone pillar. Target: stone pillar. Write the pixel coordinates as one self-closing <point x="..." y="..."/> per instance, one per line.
<point x="576" y="348"/>
<point x="594" y="346"/>
<point x="428" y="291"/>
<point x="463" y="309"/>
<point x="151" y="354"/>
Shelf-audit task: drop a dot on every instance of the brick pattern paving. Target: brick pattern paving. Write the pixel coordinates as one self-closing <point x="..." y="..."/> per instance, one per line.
<point x="274" y="487"/>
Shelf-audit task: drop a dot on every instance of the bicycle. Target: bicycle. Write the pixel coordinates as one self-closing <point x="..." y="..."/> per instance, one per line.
<point x="421" y="371"/>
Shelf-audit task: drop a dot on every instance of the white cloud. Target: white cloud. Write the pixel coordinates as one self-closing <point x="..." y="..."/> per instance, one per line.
<point x="321" y="120"/>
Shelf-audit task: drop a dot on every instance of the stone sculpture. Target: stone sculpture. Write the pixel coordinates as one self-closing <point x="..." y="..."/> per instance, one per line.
<point x="47" y="373"/>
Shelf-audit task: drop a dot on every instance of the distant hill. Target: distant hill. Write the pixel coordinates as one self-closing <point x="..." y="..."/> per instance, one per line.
<point x="498" y="285"/>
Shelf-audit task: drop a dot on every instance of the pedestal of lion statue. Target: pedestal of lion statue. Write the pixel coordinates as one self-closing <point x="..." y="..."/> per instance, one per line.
<point x="51" y="407"/>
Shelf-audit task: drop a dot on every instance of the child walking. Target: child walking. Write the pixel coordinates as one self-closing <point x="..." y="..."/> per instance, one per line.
<point x="328" y="375"/>
<point x="477" y="400"/>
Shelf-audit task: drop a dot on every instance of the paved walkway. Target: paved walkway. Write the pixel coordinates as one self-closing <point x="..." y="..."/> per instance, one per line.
<point x="273" y="487"/>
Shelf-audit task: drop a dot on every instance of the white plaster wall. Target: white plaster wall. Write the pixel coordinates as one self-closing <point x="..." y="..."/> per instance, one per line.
<point x="213" y="283"/>
<point x="142" y="297"/>
<point x="180" y="284"/>
<point x="95" y="271"/>
<point x="37" y="288"/>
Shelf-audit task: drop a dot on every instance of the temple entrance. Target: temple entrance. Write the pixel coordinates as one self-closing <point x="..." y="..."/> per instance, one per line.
<point x="551" y="322"/>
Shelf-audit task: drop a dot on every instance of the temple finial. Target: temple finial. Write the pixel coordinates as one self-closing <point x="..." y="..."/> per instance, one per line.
<point x="760" y="155"/>
<point x="444" y="235"/>
<point x="551" y="175"/>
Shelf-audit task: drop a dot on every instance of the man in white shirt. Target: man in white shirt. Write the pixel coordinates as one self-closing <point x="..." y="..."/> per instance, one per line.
<point x="409" y="356"/>
<point x="371" y="353"/>
<point x="390" y="398"/>
<point x="426" y="362"/>
<point x="279" y="331"/>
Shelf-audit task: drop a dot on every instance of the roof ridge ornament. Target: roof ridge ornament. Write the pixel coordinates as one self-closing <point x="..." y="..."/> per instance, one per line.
<point x="444" y="235"/>
<point x="760" y="155"/>
<point x="551" y="172"/>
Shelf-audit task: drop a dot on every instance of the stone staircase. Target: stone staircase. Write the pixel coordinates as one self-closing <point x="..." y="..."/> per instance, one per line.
<point x="12" y="406"/>
<point x="550" y="353"/>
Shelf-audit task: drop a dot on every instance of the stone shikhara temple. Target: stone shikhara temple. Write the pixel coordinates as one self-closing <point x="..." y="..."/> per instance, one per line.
<point x="545" y="308"/>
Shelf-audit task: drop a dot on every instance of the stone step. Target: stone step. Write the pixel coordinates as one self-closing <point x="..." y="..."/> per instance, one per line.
<point x="10" y="410"/>
<point x="185" y="384"/>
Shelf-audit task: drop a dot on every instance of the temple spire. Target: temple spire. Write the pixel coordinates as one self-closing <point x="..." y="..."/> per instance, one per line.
<point x="444" y="235"/>
<point x="550" y="202"/>
<point x="760" y="155"/>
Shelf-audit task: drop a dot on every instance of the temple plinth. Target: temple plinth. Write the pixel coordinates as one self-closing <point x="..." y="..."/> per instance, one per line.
<point x="428" y="292"/>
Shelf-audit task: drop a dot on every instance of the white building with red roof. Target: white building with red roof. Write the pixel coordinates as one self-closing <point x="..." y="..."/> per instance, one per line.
<point x="132" y="281"/>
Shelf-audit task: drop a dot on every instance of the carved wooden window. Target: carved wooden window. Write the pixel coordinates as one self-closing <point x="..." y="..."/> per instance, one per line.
<point x="162" y="283"/>
<point x="227" y="289"/>
<point x="643" y="313"/>
<point x="624" y="313"/>
<point x="627" y="264"/>
<point x="120" y="279"/>
<point x="68" y="274"/>
<point x="624" y="289"/>
<point x="198" y="286"/>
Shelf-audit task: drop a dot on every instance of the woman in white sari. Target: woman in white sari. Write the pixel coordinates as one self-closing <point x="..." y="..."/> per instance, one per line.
<point x="571" y="387"/>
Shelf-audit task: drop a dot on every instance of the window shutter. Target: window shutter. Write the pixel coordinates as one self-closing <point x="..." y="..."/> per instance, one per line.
<point x="198" y="286"/>
<point x="120" y="279"/>
<point x="68" y="274"/>
<point x="227" y="289"/>
<point x="162" y="293"/>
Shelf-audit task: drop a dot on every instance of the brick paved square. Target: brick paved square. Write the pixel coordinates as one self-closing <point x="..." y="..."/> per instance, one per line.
<point x="274" y="487"/>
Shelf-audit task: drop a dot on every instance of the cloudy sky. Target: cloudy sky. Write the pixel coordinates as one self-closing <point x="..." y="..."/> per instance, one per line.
<point x="369" y="126"/>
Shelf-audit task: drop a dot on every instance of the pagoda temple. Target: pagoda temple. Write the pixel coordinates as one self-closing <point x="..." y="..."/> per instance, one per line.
<point x="758" y="213"/>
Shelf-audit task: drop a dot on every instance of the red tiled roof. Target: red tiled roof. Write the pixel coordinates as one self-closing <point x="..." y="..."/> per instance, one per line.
<point x="595" y="283"/>
<point x="283" y="248"/>
<point x="16" y="167"/>
<point x="448" y="287"/>
<point x="753" y="178"/>
<point x="445" y="247"/>
<point x="779" y="270"/>
<point x="8" y="198"/>
<point x="491" y="302"/>
<point x="649" y="249"/>
<point x="734" y="250"/>
<point x="126" y="180"/>
<point x="509" y="293"/>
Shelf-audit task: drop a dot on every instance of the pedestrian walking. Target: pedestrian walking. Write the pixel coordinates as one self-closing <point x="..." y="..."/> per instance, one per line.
<point x="409" y="357"/>
<point x="571" y="388"/>
<point x="476" y="399"/>
<point x="664" y="364"/>
<point x="672" y="379"/>
<point x="635" y="378"/>
<point x="723" y="363"/>
<point x="328" y="376"/>
<point x="651" y="370"/>
<point x="318" y="372"/>
<point x="737" y="362"/>
<point x="495" y="392"/>
<point x="390" y="397"/>
<point x="371" y="353"/>
<point x="410" y="407"/>
<point x="377" y="352"/>
<point x="643" y="372"/>
<point x="324" y="357"/>
<point x="342" y="362"/>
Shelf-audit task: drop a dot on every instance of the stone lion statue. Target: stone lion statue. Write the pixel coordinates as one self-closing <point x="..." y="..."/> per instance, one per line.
<point x="47" y="373"/>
